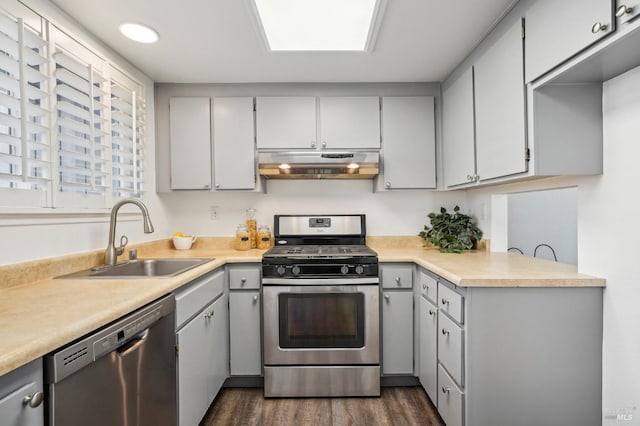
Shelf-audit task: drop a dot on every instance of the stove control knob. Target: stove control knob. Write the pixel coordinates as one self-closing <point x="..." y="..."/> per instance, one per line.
<point x="280" y="270"/>
<point x="344" y="269"/>
<point x="359" y="269"/>
<point x="295" y="270"/>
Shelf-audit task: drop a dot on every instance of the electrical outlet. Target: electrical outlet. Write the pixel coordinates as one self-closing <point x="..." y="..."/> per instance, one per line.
<point x="214" y="212"/>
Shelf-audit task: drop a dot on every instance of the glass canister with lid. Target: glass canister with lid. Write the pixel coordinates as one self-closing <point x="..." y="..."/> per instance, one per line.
<point x="243" y="240"/>
<point x="252" y="227"/>
<point x="264" y="239"/>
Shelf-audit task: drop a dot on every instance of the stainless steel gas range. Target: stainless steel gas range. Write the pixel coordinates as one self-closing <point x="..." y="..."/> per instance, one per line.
<point x="321" y="309"/>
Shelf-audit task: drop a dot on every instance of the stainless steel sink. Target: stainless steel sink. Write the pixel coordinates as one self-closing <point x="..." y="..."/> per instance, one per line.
<point x="141" y="268"/>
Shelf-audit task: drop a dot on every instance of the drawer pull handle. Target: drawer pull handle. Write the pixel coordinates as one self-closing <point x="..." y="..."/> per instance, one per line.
<point x="33" y="400"/>
<point x="445" y="302"/>
<point x="446" y="390"/>
<point x="387" y="297"/>
<point x="432" y="312"/>
<point x="623" y="10"/>
<point x="255" y="299"/>
<point x="598" y="27"/>
<point x="445" y="332"/>
<point x="398" y="280"/>
<point x="209" y="314"/>
<point x="243" y="280"/>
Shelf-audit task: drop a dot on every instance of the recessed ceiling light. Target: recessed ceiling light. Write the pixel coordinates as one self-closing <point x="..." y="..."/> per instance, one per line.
<point x="319" y="25"/>
<point x="138" y="32"/>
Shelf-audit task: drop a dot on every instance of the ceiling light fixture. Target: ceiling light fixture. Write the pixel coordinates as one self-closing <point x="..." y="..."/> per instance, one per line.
<point x="318" y="25"/>
<point x="139" y="32"/>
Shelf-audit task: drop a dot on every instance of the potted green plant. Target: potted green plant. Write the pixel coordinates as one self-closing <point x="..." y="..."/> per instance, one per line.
<point x="453" y="233"/>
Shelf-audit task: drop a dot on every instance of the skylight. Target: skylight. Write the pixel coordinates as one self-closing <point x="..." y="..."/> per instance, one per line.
<point x="319" y="25"/>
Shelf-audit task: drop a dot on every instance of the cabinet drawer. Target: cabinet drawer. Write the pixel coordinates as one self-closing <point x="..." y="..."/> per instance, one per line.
<point x="451" y="302"/>
<point x="244" y="277"/>
<point x="450" y="399"/>
<point x="450" y="347"/>
<point x="192" y="297"/>
<point x="397" y="276"/>
<point x="429" y="287"/>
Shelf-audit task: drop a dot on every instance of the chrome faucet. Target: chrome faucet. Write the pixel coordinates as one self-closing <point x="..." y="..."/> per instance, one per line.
<point x="112" y="252"/>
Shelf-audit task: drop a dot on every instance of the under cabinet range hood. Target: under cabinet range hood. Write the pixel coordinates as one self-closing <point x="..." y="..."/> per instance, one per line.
<point x="319" y="165"/>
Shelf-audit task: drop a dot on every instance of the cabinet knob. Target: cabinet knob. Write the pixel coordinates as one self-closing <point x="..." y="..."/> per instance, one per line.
<point x="424" y="287"/>
<point x="445" y="301"/>
<point x="445" y="332"/>
<point x="217" y="186"/>
<point x="209" y="314"/>
<point x="387" y="184"/>
<point x="598" y="27"/>
<point x="432" y="312"/>
<point x="387" y="297"/>
<point x="313" y="144"/>
<point x="622" y="10"/>
<point x="469" y="178"/>
<point x="33" y="400"/>
<point x="324" y="144"/>
<point x="243" y="281"/>
<point x="398" y="280"/>
<point x="255" y="299"/>
<point x="208" y="186"/>
<point x="445" y="390"/>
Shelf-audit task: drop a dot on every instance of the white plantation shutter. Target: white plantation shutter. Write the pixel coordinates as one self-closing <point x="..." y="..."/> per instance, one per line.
<point x="25" y="148"/>
<point x="82" y="132"/>
<point x="127" y="138"/>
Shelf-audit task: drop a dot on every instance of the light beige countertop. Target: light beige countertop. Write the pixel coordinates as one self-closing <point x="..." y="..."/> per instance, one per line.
<point x="39" y="314"/>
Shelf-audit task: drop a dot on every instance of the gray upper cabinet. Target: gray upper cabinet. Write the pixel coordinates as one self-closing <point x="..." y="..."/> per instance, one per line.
<point x="557" y="30"/>
<point x="190" y="142"/>
<point x="500" y="107"/>
<point x="409" y="142"/>
<point x="458" y="130"/>
<point x="233" y="143"/>
<point x="286" y="122"/>
<point x="350" y="122"/>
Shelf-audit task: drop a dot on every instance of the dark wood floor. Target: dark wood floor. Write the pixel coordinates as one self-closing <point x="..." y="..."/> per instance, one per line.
<point x="396" y="406"/>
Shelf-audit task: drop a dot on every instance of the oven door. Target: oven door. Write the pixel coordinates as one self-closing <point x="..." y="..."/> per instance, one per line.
<point x="321" y="324"/>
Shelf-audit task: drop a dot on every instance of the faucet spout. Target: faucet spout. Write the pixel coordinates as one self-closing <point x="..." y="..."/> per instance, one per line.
<point x="112" y="252"/>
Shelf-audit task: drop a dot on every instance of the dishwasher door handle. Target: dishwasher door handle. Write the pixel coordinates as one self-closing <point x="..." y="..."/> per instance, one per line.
<point x="133" y="344"/>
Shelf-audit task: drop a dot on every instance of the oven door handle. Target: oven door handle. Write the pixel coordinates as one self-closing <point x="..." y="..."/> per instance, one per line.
<point x="321" y="281"/>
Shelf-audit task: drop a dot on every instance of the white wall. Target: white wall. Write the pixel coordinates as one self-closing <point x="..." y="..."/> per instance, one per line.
<point x="388" y="213"/>
<point x="545" y="217"/>
<point x="608" y="210"/>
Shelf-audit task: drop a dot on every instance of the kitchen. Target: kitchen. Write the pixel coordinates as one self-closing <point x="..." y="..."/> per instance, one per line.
<point x="388" y="212"/>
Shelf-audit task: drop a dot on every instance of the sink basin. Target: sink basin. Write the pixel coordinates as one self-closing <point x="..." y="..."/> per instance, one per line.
<point x="141" y="268"/>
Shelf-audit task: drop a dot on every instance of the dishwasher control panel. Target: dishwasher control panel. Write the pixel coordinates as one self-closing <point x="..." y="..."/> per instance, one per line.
<point x="119" y="336"/>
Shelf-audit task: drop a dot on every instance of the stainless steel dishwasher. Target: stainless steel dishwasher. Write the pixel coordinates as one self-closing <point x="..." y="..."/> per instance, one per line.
<point x="122" y="375"/>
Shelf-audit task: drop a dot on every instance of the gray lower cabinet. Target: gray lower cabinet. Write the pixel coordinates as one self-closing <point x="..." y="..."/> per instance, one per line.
<point x="397" y="318"/>
<point x="244" y="310"/>
<point x="428" y="372"/>
<point x="15" y="386"/>
<point x="245" y="320"/>
<point x="202" y="341"/>
<point x="518" y="356"/>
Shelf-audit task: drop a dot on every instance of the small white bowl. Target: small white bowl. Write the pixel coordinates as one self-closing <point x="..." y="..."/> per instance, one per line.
<point x="183" y="243"/>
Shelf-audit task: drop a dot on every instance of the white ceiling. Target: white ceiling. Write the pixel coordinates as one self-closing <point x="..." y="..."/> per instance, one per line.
<point x="215" y="41"/>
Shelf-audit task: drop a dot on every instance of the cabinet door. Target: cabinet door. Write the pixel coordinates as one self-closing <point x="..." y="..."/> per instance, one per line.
<point x="286" y="122"/>
<point x="244" y="312"/>
<point x="428" y="373"/>
<point x="350" y="122"/>
<point x="409" y="138"/>
<point x="557" y="30"/>
<point x="233" y="143"/>
<point x="197" y="375"/>
<point x="14" y="387"/>
<point x="218" y="342"/>
<point x="190" y="140"/>
<point x="458" y="141"/>
<point x="397" y="332"/>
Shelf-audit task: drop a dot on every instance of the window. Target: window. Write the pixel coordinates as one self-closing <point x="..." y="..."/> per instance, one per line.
<point x="72" y="129"/>
<point x="25" y="148"/>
